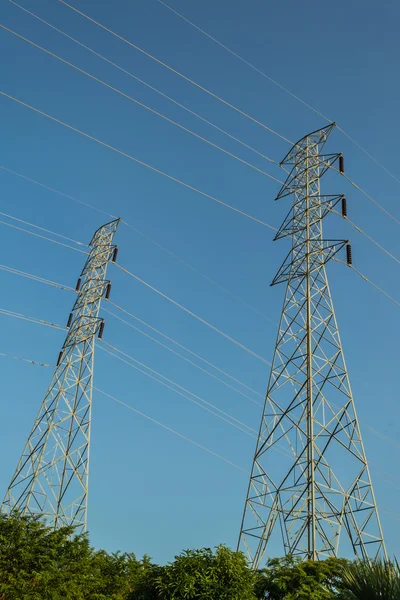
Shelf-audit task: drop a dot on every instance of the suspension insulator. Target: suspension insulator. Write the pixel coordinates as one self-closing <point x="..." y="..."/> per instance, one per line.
<point x="69" y="320"/>
<point x="108" y="290"/>
<point x="341" y="164"/>
<point x="344" y="207"/>
<point x="349" y="255"/>
<point x="78" y="285"/>
<point x="59" y="358"/>
<point x="115" y="254"/>
<point x="101" y="329"/>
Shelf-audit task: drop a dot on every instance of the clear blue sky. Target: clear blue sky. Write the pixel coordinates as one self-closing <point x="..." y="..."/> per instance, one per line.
<point x="150" y="491"/>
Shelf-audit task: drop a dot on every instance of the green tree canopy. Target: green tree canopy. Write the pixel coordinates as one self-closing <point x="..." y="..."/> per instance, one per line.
<point x="292" y="579"/>
<point x="206" y="574"/>
<point x="39" y="563"/>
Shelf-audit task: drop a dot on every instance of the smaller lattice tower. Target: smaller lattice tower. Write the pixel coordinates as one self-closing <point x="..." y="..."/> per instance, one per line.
<point x="315" y="499"/>
<point x="51" y="478"/>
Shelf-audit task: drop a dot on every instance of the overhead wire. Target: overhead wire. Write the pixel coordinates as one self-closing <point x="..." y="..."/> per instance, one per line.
<point x="172" y="385"/>
<point x="176" y="72"/>
<point x="16" y="315"/>
<point x="130" y="157"/>
<point x="141" y="104"/>
<point x="27" y="360"/>
<point x="43" y="185"/>
<point x="67" y="288"/>
<point x="184" y="437"/>
<point x="42" y="236"/>
<point x="223" y="416"/>
<point x="390" y="512"/>
<point x="42" y="229"/>
<point x="191" y="362"/>
<point x="243" y="60"/>
<point x="130" y="74"/>
<point x="181" y="306"/>
<point x="126" y="312"/>
<point x="36" y="278"/>
<point x="41" y="364"/>
<point x="204" y="139"/>
<point x="194" y="315"/>
<point x="145" y="236"/>
<point x="73" y="39"/>
<point x="206" y="277"/>
<point x="365" y="278"/>
<point x="362" y="191"/>
<point x="364" y="233"/>
<point x="191" y="313"/>
<point x="15" y="271"/>
<point x="279" y="85"/>
<point x="53" y="325"/>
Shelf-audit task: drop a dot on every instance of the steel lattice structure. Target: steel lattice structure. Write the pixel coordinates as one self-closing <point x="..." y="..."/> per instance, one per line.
<point x="317" y="497"/>
<point x="51" y="478"/>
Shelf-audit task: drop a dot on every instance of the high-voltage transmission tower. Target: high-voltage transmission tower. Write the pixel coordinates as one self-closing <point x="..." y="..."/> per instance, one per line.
<point x="316" y="496"/>
<point x="51" y="478"/>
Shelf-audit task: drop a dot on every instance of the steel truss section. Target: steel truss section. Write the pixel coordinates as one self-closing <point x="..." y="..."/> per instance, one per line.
<point x="317" y="500"/>
<point x="51" y="478"/>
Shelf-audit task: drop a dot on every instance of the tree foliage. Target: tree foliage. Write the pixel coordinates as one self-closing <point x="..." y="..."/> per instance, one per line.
<point x="291" y="579"/>
<point x="207" y="574"/>
<point x="38" y="563"/>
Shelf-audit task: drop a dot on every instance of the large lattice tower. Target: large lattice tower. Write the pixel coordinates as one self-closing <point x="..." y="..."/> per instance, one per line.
<point x="51" y="478"/>
<point x="315" y="498"/>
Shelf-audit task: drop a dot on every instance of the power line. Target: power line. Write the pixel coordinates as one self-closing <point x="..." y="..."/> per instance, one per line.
<point x="362" y="191"/>
<point x="206" y="277"/>
<point x="15" y="271"/>
<point x="41" y="364"/>
<point x="53" y="325"/>
<point x="204" y="404"/>
<point x="389" y="511"/>
<point x="180" y="356"/>
<point x="371" y="198"/>
<point x="207" y="91"/>
<point x="371" y="239"/>
<point x="145" y="106"/>
<point x="180" y="126"/>
<point x="117" y="66"/>
<point x="130" y="157"/>
<point x="243" y="60"/>
<point x="365" y="278"/>
<point x="145" y="236"/>
<point x="123" y="310"/>
<point x="10" y="313"/>
<point x="368" y="154"/>
<point x="42" y="236"/>
<point x="54" y="284"/>
<point x="36" y="278"/>
<point x="42" y="228"/>
<point x="184" y="437"/>
<point x="225" y="335"/>
<point x="27" y="360"/>
<point x="248" y="429"/>
<point x="192" y="314"/>
<point x="43" y="185"/>
<point x="254" y="68"/>
<point x="66" y="62"/>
